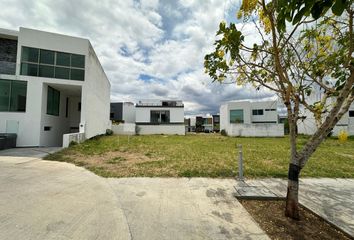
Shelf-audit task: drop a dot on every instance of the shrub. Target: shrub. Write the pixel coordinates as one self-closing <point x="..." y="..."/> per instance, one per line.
<point x="223" y="132"/>
<point x="72" y="143"/>
<point x="342" y="136"/>
<point x="109" y="132"/>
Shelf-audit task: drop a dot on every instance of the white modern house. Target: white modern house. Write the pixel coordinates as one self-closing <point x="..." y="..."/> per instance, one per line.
<point x="251" y="119"/>
<point x="51" y="85"/>
<point x="307" y="125"/>
<point x="160" y="117"/>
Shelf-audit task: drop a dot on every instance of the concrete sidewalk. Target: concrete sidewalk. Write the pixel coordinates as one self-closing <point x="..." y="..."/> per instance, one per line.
<point x="53" y="200"/>
<point x="332" y="199"/>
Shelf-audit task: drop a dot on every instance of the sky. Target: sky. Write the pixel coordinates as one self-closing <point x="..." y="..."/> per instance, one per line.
<point x="149" y="49"/>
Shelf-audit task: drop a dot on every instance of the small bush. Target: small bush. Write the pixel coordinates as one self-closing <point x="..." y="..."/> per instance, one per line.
<point x="72" y="143"/>
<point x="342" y="136"/>
<point x="223" y="132"/>
<point x="109" y="132"/>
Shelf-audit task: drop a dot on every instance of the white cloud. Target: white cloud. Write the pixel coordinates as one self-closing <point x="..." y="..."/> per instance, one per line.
<point x="165" y="39"/>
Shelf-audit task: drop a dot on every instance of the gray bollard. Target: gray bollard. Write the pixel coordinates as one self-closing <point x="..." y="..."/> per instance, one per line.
<point x="240" y="163"/>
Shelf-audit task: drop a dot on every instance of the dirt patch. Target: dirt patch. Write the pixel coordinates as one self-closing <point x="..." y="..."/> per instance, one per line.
<point x="270" y="216"/>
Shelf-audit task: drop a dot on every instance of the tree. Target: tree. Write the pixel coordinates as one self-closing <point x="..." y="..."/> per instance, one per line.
<point x="294" y="62"/>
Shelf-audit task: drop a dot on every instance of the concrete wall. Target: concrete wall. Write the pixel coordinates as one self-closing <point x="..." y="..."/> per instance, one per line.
<point x="178" y="129"/>
<point x="128" y="112"/>
<point x="256" y="130"/>
<point x="96" y="98"/>
<point x="124" y="129"/>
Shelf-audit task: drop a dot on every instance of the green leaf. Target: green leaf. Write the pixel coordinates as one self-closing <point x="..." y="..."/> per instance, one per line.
<point x="339" y="7"/>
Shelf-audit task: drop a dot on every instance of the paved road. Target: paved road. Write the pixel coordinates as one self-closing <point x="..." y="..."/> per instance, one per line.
<point x="52" y="200"/>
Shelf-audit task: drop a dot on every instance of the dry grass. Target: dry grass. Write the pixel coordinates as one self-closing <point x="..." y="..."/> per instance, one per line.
<point x="203" y="155"/>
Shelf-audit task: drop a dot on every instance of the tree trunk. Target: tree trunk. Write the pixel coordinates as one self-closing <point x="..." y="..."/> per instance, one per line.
<point x="292" y="197"/>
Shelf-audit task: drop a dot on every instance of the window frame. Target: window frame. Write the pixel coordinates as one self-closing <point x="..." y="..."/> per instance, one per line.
<point x="10" y="102"/>
<point x="257" y="112"/>
<point x="159" y="119"/>
<point x="240" y="121"/>
<point x="53" y="109"/>
<point x="78" y="70"/>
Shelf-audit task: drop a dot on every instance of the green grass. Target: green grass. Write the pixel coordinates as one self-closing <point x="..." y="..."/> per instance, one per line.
<point x="203" y="155"/>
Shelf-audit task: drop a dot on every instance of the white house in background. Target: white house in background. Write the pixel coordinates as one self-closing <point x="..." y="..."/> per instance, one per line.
<point x="308" y="126"/>
<point x="123" y="112"/>
<point x="51" y="85"/>
<point x="251" y="119"/>
<point x="160" y="117"/>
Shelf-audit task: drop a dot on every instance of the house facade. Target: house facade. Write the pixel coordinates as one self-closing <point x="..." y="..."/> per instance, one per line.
<point x="50" y="85"/>
<point x="251" y="119"/>
<point x="159" y="117"/>
<point x="307" y="125"/>
<point x="123" y="112"/>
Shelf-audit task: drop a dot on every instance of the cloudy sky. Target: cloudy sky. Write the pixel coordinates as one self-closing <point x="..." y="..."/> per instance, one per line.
<point x="149" y="49"/>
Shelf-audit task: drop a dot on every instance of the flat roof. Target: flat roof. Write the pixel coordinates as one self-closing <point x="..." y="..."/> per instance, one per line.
<point x="7" y="33"/>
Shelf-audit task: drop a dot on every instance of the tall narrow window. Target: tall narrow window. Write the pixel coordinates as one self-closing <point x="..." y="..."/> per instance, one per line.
<point x="53" y="101"/>
<point x="67" y="107"/>
<point x="4" y="95"/>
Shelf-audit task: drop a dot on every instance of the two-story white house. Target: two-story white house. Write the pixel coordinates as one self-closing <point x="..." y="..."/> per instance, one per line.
<point x="159" y="117"/>
<point x="251" y="119"/>
<point x="50" y="85"/>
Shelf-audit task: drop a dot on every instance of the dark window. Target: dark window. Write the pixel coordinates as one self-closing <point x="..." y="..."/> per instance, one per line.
<point x="77" y="74"/>
<point x="63" y="73"/>
<point x="77" y="61"/>
<point x="46" y="71"/>
<point x="351" y="113"/>
<point x="4" y="95"/>
<point x="29" y="69"/>
<point x="18" y="96"/>
<point x="63" y="59"/>
<point x="30" y="54"/>
<point x="79" y="106"/>
<point x="159" y="116"/>
<point x="13" y="96"/>
<point x="270" y="109"/>
<point x="53" y="101"/>
<point x="46" y="57"/>
<point x="47" y="128"/>
<point x="66" y="107"/>
<point x="257" y="112"/>
<point x="111" y="115"/>
<point x="236" y="116"/>
<point x="51" y="64"/>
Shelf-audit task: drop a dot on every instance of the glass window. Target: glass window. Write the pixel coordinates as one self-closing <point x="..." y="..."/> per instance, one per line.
<point x="4" y="95"/>
<point x="18" y="96"/>
<point x="236" y="116"/>
<point x="63" y="59"/>
<point x="47" y="57"/>
<point x="154" y="116"/>
<point x="257" y="112"/>
<point x="63" y="73"/>
<point x="29" y="69"/>
<point x="46" y="71"/>
<point x="165" y="116"/>
<point x="53" y="101"/>
<point x="13" y="96"/>
<point x="77" y="61"/>
<point x="77" y="74"/>
<point x="30" y="54"/>
<point x="351" y="113"/>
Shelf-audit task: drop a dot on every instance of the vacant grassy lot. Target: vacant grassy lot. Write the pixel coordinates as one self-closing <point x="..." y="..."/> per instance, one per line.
<point x="204" y="155"/>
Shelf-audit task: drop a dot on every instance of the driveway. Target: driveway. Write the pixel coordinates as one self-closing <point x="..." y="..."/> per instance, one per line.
<point x="52" y="200"/>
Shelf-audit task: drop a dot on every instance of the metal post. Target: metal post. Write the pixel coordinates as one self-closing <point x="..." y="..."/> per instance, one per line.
<point x="240" y="163"/>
